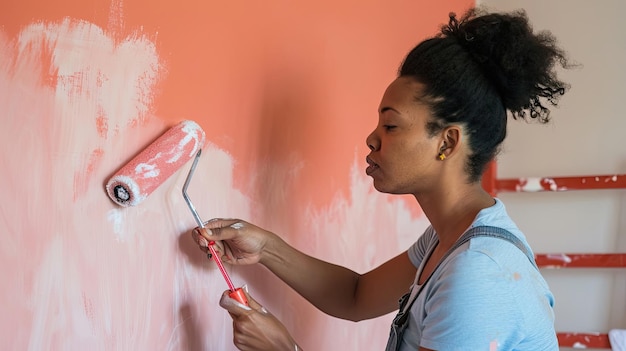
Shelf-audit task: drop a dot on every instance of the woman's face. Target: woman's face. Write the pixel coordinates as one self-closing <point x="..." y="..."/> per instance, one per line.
<point x="403" y="157"/>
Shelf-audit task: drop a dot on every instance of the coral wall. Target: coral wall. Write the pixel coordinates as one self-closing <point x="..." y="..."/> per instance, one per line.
<point x="286" y="92"/>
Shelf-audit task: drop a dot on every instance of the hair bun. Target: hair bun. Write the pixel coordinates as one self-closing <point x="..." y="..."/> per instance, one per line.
<point x="519" y="63"/>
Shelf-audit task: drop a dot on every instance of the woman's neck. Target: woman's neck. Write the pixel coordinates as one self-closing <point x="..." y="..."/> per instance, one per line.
<point x="452" y="211"/>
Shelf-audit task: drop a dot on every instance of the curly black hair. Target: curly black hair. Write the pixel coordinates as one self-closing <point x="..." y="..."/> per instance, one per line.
<point x="478" y="68"/>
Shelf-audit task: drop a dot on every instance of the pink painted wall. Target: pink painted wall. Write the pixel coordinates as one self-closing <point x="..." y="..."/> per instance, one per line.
<point x="286" y="92"/>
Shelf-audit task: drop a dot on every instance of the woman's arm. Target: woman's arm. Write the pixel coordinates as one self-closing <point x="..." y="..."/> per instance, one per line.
<point x="333" y="289"/>
<point x="339" y="291"/>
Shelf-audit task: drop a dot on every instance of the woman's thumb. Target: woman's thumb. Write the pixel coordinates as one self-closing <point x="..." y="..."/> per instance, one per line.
<point x="252" y="303"/>
<point x="231" y="302"/>
<point x="231" y="305"/>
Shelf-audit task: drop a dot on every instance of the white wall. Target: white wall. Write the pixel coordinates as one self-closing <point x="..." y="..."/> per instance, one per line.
<point x="586" y="137"/>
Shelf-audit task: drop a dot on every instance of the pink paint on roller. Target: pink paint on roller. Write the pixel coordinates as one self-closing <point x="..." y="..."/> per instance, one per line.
<point x="155" y="164"/>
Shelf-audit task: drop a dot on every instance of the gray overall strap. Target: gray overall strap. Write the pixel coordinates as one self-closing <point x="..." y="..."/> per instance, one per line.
<point x="480" y="231"/>
<point x="401" y="320"/>
<point x="495" y="232"/>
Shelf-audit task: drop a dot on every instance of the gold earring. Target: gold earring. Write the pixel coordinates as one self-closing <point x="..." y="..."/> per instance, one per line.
<point x="442" y="156"/>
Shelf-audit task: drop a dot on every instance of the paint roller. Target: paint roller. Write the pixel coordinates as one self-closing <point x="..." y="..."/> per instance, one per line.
<point x="154" y="165"/>
<point x="132" y="183"/>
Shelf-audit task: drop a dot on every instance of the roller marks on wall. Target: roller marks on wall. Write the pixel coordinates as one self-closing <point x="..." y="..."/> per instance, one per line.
<point x="83" y="273"/>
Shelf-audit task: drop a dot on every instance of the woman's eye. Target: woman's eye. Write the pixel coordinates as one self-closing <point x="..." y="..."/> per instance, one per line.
<point x="388" y="127"/>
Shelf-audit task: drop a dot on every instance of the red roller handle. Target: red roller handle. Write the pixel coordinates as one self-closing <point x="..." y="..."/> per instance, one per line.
<point x="235" y="293"/>
<point x="239" y="295"/>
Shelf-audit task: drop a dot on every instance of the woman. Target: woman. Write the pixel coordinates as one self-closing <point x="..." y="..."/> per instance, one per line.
<point x="440" y="123"/>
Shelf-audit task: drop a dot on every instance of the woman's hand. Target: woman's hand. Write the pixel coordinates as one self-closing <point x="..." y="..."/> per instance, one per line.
<point x="254" y="328"/>
<point x="237" y="241"/>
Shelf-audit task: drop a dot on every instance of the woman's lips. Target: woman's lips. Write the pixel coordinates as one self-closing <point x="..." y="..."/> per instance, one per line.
<point x="372" y="166"/>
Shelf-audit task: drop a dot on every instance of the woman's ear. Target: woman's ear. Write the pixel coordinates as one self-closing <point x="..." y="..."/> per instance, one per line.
<point x="450" y="141"/>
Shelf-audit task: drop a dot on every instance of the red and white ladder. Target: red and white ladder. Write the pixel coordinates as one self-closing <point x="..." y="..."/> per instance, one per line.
<point x="566" y="260"/>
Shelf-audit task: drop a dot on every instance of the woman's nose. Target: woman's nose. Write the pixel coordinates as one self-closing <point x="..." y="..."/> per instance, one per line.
<point x="372" y="141"/>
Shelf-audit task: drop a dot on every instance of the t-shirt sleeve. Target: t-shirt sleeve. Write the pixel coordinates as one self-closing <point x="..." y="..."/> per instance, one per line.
<point x="471" y="305"/>
<point x="419" y="249"/>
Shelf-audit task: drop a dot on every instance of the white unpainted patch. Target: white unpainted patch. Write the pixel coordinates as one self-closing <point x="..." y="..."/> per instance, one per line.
<point x="116" y="218"/>
<point x="560" y="257"/>
<point x="532" y="184"/>
<point x="237" y="225"/>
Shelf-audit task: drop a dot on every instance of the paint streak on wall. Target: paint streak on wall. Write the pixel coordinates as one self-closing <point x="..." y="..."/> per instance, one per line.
<point x="78" y="101"/>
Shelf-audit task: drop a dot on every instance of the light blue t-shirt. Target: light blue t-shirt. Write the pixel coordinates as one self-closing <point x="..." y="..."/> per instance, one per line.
<point x="486" y="295"/>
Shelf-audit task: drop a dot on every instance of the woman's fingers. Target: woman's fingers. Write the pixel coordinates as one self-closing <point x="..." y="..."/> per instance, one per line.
<point x="236" y="241"/>
<point x="254" y="328"/>
<point x="202" y="243"/>
<point x="234" y="307"/>
<point x="217" y="230"/>
<point x="215" y="226"/>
